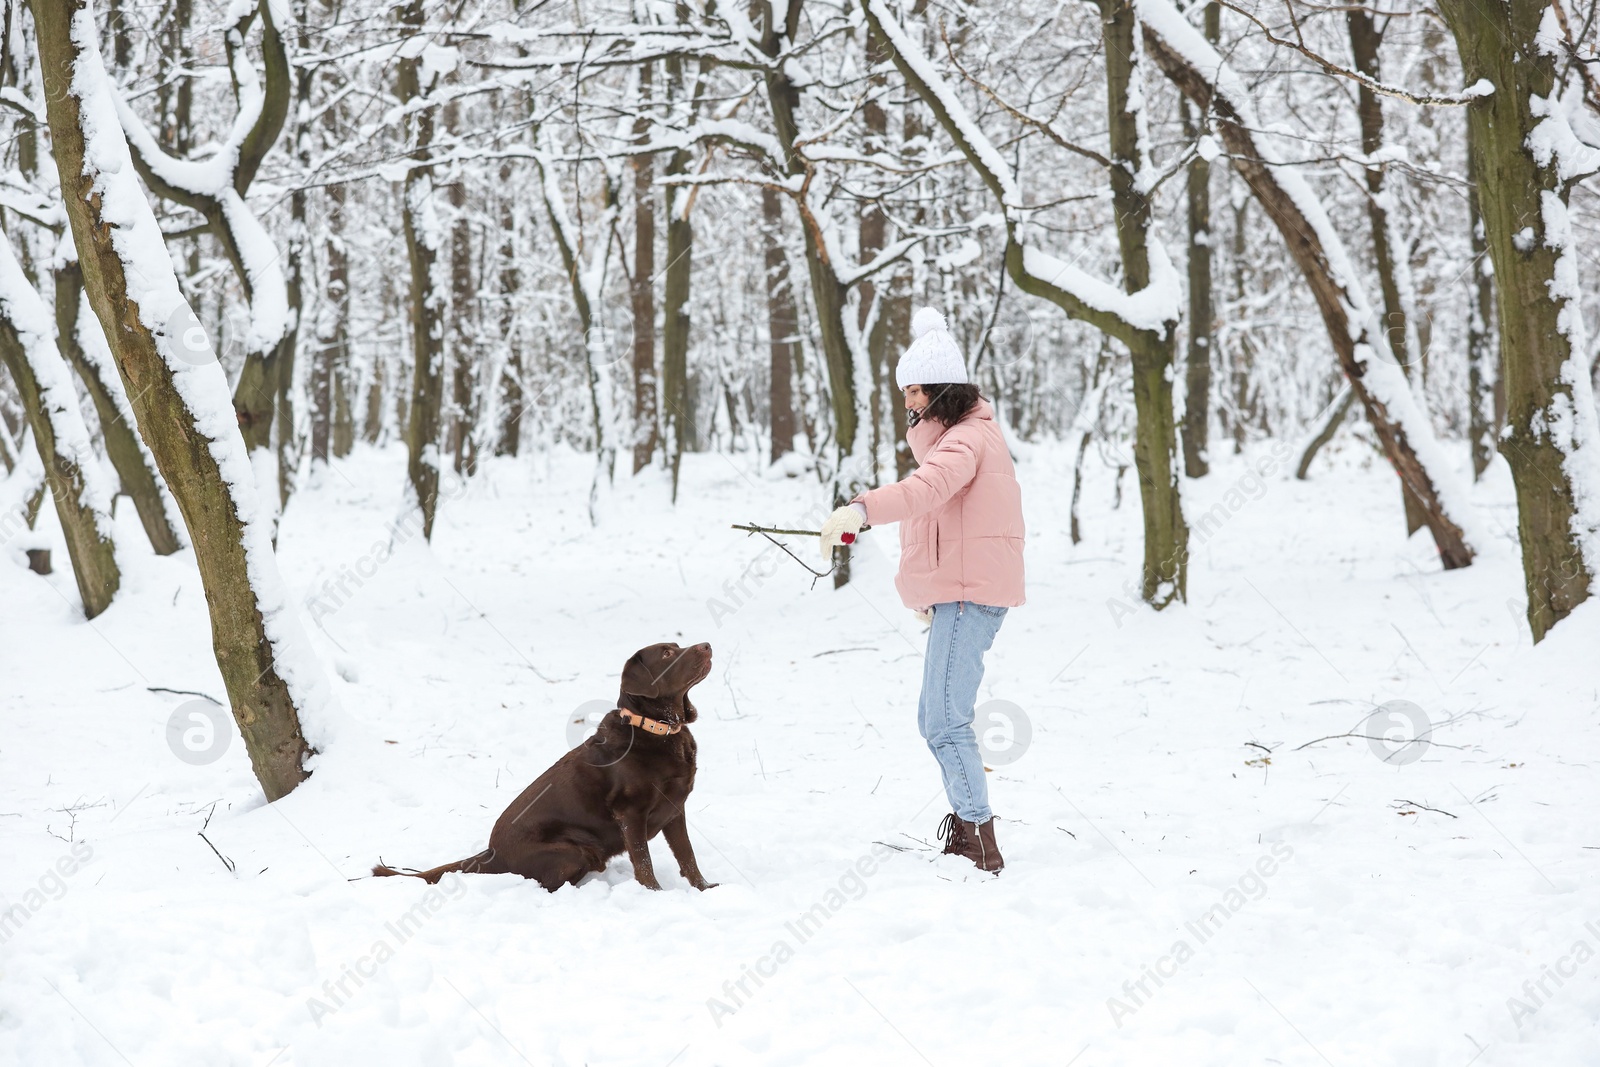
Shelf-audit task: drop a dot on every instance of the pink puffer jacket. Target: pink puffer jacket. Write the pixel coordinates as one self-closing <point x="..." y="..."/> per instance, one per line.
<point x="960" y="515"/>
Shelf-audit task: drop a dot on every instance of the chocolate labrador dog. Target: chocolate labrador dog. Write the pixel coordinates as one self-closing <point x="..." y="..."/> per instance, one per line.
<point x="612" y="793"/>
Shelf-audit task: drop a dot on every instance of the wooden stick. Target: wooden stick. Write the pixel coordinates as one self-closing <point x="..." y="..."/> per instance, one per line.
<point x="794" y="533"/>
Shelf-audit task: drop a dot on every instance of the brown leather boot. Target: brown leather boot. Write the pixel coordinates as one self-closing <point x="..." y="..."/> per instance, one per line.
<point x="975" y="842"/>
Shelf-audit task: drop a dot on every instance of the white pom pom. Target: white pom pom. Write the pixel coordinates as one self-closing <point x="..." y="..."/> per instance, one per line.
<point x="927" y="319"/>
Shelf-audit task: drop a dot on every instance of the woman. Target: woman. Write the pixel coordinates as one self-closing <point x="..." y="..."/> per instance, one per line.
<point x="960" y="564"/>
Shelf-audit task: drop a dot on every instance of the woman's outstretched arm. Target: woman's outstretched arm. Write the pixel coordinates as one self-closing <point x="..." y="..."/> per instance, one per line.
<point x="944" y="473"/>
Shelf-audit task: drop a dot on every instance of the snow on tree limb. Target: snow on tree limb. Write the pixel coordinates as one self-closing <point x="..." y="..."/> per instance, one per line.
<point x="1358" y="337"/>
<point x="1569" y="421"/>
<point x="1476" y="91"/>
<point x="272" y="674"/>
<point x="44" y="383"/>
<point x="25" y="314"/>
<point x="1080" y="294"/>
<point x="210" y="186"/>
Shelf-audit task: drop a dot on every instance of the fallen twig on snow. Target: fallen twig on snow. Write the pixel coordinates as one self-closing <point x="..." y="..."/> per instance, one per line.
<point x="185" y="692"/>
<point x="1424" y="807"/>
<point x="226" y="862"/>
<point x="1374" y="737"/>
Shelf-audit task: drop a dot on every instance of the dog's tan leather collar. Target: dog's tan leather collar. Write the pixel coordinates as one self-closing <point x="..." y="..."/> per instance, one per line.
<point x="649" y="726"/>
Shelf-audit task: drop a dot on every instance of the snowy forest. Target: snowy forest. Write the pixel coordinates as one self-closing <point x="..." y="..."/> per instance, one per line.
<point x="375" y="378"/>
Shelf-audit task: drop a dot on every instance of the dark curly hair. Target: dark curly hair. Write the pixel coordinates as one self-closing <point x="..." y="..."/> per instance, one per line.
<point x="950" y="403"/>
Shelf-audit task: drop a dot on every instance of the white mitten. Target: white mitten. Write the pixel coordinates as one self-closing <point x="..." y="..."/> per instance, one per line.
<point x="845" y="520"/>
<point x="925" y="616"/>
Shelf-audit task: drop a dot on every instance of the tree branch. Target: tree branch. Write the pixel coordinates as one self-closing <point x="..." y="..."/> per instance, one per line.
<point x="1473" y="92"/>
<point x="1042" y="125"/>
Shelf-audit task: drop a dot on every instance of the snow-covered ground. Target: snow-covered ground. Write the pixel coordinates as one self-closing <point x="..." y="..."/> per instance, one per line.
<point x="1188" y="881"/>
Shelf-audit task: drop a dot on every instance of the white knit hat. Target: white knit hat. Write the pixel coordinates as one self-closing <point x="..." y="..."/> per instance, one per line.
<point x="933" y="358"/>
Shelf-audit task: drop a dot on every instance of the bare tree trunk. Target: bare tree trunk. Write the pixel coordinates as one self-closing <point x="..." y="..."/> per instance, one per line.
<point x="333" y="346"/>
<point x="332" y="422"/>
<point x="297" y="253"/>
<point x="321" y="401"/>
<point x="874" y="232"/>
<point x="1197" y="367"/>
<point x="677" y="415"/>
<point x="372" y="422"/>
<point x="134" y="465"/>
<point x="897" y="315"/>
<point x="420" y="221"/>
<point x="678" y="405"/>
<point x="585" y="272"/>
<point x="50" y="404"/>
<point x="641" y="290"/>
<point x="463" y="391"/>
<point x="1365" y="39"/>
<point x="255" y="634"/>
<point x="783" y="327"/>
<point x="283" y="386"/>
<point x="1483" y="342"/>
<point x="463" y="321"/>
<point x="1332" y="417"/>
<point x="1551" y="434"/>
<point x="1166" y="535"/>
<point x="8" y="448"/>
<point x="510" y="283"/>
<point x="1243" y="357"/>
<point x="182" y="141"/>
<point x="183" y="103"/>
<point x="391" y="306"/>
<point x="121" y="37"/>
<point x="895" y="319"/>
<point x="1088" y="416"/>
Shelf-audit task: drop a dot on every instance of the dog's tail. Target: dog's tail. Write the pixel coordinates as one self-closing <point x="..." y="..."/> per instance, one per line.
<point x="483" y="863"/>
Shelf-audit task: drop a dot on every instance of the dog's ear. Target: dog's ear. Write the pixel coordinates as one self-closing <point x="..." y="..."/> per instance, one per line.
<point x="639" y="678"/>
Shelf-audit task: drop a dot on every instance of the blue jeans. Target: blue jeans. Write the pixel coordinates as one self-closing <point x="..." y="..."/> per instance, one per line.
<point x="962" y="632"/>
